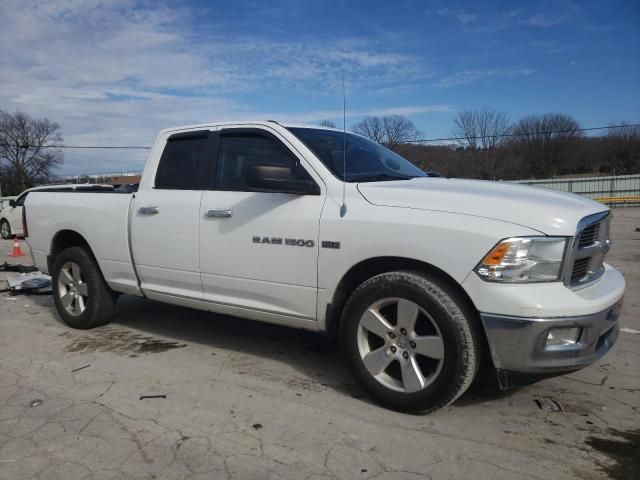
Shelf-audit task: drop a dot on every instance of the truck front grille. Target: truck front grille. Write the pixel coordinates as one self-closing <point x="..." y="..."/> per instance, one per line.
<point x="589" y="235"/>
<point x="585" y="262"/>
<point x="580" y="270"/>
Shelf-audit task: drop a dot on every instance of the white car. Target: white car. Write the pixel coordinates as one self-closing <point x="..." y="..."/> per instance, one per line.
<point x="421" y="278"/>
<point x="11" y="217"/>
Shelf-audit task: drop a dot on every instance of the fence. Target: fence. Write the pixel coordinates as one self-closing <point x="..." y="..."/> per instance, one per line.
<point x="96" y="177"/>
<point x="618" y="189"/>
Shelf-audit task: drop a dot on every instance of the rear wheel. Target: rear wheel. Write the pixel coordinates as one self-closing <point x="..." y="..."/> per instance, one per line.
<point x="410" y="341"/>
<point x="5" y="229"/>
<point x="80" y="294"/>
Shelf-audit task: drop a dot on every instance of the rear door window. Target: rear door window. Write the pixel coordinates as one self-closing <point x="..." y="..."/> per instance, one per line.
<point x="185" y="162"/>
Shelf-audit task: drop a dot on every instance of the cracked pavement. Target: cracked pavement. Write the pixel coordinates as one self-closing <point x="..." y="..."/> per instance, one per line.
<point x="246" y="400"/>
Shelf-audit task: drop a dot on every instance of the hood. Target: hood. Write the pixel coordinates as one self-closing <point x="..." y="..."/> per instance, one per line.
<point x="548" y="211"/>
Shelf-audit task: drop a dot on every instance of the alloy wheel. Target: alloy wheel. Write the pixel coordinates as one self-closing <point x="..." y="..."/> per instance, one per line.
<point x="72" y="289"/>
<point x="400" y="345"/>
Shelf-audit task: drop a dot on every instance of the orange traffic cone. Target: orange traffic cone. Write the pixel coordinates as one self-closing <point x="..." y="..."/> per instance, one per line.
<point x="16" y="248"/>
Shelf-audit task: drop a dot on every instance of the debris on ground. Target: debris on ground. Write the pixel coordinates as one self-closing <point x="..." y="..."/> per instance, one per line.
<point x="9" y="267"/>
<point x="31" y="282"/>
<point x="145" y="397"/>
<point x="547" y="403"/>
<point x="36" y="283"/>
<point x="80" y="368"/>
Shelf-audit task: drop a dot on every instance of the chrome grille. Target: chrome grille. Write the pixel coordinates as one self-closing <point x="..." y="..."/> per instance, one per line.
<point x="580" y="270"/>
<point x="589" y="235"/>
<point x="586" y="257"/>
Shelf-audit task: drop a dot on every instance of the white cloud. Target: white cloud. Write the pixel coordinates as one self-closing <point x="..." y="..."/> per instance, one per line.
<point x="552" y="48"/>
<point x="601" y="28"/>
<point x="474" y="75"/>
<point x="115" y="72"/>
<point x="543" y="20"/>
<point x="548" y="13"/>
<point x="462" y="16"/>
<point x="351" y="114"/>
<point x="133" y="160"/>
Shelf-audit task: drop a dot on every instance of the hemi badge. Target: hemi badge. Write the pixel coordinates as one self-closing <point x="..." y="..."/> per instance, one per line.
<point x="329" y="244"/>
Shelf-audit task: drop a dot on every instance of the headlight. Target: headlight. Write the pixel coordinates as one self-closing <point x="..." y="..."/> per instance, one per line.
<point x="526" y="259"/>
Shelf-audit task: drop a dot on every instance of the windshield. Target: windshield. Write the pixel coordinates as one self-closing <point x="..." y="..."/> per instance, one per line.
<point x="366" y="161"/>
<point x="20" y="200"/>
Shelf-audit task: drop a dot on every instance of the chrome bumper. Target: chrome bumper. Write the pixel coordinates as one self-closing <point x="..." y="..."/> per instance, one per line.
<point x="518" y="344"/>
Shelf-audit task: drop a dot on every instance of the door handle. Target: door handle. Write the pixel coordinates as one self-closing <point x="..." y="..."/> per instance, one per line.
<point x="219" y="213"/>
<point x="148" y="210"/>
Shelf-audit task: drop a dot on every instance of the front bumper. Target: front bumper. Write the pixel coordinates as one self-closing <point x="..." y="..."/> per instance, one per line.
<point x="518" y="344"/>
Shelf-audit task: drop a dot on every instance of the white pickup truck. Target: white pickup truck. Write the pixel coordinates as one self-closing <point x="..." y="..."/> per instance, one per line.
<point x="419" y="277"/>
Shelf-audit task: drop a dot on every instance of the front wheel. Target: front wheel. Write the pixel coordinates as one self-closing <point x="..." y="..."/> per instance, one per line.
<point x="5" y="229"/>
<point x="80" y="294"/>
<point x="410" y="341"/>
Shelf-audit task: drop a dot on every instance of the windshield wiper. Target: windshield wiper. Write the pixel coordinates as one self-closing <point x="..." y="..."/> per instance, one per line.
<point x="379" y="177"/>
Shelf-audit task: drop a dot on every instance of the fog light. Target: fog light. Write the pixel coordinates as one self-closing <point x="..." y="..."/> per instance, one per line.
<point x="563" y="336"/>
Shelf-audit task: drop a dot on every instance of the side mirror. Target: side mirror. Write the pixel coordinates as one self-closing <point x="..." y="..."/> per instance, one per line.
<point x="278" y="179"/>
<point x="12" y="203"/>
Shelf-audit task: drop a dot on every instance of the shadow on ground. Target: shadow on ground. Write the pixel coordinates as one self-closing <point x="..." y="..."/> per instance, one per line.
<point x="314" y="355"/>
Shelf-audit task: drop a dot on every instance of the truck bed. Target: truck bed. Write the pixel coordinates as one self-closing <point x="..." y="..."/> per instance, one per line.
<point x="100" y="217"/>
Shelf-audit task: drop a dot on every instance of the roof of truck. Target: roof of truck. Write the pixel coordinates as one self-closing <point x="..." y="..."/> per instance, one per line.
<point x="248" y="122"/>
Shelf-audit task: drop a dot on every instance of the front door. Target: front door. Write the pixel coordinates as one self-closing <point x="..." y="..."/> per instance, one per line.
<point x="259" y="250"/>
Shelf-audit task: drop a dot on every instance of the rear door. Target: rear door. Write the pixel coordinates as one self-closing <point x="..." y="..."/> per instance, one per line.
<point x="165" y="218"/>
<point x="259" y="250"/>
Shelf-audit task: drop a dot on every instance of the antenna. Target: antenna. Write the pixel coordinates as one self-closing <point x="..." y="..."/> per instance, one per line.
<point x="343" y="208"/>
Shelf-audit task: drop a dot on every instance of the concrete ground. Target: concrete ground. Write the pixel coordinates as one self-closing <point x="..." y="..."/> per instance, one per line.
<point x="246" y="400"/>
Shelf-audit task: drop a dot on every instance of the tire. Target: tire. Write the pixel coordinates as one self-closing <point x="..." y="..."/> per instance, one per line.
<point x="5" y="229"/>
<point x="81" y="296"/>
<point x="410" y="341"/>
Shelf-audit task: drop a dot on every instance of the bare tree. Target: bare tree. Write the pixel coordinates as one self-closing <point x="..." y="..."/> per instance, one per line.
<point x="372" y="128"/>
<point x="327" y="123"/>
<point x="399" y="130"/>
<point x="481" y="134"/>
<point x="542" y="146"/>
<point x="27" y="150"/>
<point x="622" y="149"/>
<point x="390" y="130"/>
<point x="481" y="129"/>
<point x="545" y="142"/>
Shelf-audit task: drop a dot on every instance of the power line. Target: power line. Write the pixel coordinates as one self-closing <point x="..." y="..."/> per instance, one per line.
<point x="523" y="134"/>
<point x="423" y="140"/>
<point x="127" y="147"/>
<point x="93" y="147"/>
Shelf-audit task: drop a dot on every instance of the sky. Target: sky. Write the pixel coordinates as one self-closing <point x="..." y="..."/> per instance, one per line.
<point x="116" y="72"/>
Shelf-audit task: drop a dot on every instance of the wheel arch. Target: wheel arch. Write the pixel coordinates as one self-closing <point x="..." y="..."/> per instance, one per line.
<point x="101" y="299"/>
<point x="64" y="239"/>
<point x="371" y="267"/>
